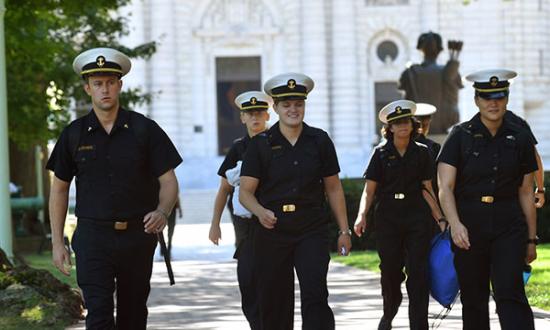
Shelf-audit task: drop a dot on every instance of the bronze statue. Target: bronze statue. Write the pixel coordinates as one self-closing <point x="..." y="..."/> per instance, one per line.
<point x="435" y="84"/>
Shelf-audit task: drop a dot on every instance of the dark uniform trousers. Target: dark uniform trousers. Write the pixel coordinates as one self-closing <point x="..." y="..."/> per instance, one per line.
<point x="107" y="259"/>
<point x="498" y="235"/>
<point x="275" y="254"/>
<point x="403" y="232"/>
<point x="244" y="233"/>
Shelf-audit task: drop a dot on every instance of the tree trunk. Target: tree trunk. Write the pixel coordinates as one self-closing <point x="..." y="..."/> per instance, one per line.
<point x="5" y="263"/>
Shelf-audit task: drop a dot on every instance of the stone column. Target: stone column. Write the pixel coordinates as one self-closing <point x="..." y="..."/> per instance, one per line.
<point x="313" y="61"/>
<point x="345" y="101"/>
<point x="164" y="66"/>
<point x="6" y="242"/>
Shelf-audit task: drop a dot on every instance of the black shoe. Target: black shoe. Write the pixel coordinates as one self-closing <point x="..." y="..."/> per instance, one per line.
<point x="384" y="324"/>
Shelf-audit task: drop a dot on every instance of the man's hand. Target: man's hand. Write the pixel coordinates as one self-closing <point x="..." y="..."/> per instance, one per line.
<point x="531" y="253"/>
<point x="155" y="221"/>
<point x="61" y="258"/>
<point x="267" y="218"/>
<point x="460" y="235"/>
<point x="344" y="244"/>
<point x="360" y="225"/>
<point x="215" y="234"/>
<point x="539" y="199"/>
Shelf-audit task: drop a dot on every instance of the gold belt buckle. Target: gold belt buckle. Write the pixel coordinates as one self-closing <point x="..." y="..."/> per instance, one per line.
<point x="121" y="225"/>
<point x="399" y="196"/>
<point x="289" y="208"/>
<point x="487" y="199"/>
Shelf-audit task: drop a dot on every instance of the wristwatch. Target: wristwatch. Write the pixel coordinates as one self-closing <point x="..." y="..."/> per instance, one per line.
<point x="344" y="232"/>
<point x="533" y="240"/>
<point x="540" y="190"/>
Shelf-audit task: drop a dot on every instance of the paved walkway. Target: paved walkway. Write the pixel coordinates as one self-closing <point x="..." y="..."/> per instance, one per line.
<point x="206" y="294"/>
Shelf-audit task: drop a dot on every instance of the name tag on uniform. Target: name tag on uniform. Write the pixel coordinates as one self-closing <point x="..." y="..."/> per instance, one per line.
<point x="85" y="147"/>
<point x="391" y="157"/>
<point x="276" y="147"/>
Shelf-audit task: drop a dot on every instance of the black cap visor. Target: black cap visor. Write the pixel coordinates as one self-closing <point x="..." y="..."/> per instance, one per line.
<point x="492" y="95"/>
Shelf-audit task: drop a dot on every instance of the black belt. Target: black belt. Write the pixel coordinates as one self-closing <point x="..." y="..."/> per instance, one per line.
<point x="289" y="207"/>
<point x="124" y="224"/>
<point x="119" y="225"/>
<point x="487" y="199"/>
<point x="400" y="195"/>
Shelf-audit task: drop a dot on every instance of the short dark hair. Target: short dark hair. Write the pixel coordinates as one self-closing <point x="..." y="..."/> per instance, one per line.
<point x="97" y="74"/>
<point x="388" y="134"/>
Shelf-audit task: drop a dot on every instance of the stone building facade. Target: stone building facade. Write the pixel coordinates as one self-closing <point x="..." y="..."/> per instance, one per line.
<point x="355" y="50"/>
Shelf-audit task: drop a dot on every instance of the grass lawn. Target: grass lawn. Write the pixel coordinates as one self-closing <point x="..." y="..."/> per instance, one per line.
<point x="36" y="312"/>
<point x="538" y="288"/>
<point x="44" y="261"/>
<point x="360" y="259"/>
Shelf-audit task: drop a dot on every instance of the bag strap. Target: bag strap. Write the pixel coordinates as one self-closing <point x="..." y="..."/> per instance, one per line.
<point x="436" y="202"/>
<point x="443" y="314"/>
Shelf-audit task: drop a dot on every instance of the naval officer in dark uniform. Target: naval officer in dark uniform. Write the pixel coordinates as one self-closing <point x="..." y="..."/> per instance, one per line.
<point x="398" y="174"/>
<point x="423" y="114"/>
<point x="253" y="107"/>
<point x="287" y="175"/>
<point x="125" y="188"/>
<point x="485" y="172"/>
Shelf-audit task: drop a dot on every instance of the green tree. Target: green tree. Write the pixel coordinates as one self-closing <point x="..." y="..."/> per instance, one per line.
<point x="42" y="39"/>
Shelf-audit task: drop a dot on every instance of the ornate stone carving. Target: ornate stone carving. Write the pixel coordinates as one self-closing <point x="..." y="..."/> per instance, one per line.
<point x="237" y="16"/>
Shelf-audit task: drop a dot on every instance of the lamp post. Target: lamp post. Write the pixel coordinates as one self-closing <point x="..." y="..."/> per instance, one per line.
<point x="6" y="242"/>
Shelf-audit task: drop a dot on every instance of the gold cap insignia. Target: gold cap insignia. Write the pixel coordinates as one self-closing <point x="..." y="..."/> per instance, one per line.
<point x="253" y="100"/>
<point x="493" y="81"/>
<point x="100" y="61"/>
<point x="398" y="109"/>
<point x="125" y="125"/>
<point x="291" y="83"/>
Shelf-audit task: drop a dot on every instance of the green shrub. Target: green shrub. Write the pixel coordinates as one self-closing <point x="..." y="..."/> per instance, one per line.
<point x="353" y="188"/>
<point x="5" y="280"/>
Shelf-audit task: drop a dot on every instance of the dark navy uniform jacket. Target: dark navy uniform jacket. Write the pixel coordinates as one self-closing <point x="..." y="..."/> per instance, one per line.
<point x="433" y="146"/>
<point x="292" y="174"/>
<point x="396" y="174"/>
<point x="117" y="173"/>
<point x="401" y="177"/>
<point x="486" y="165"/>
<point x="236" y="153"/>
<point x="489" y="166"/>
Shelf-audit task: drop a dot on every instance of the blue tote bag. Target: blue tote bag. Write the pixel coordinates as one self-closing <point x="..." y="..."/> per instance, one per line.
<point x="443" y="278"/>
